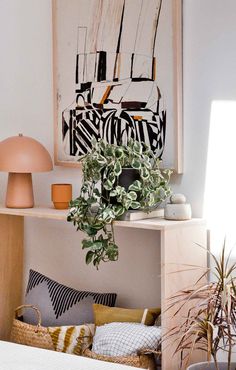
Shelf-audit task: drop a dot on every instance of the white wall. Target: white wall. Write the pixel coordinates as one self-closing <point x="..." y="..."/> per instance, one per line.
<point x="26" y="106"/>
<point x="209" y="75"/>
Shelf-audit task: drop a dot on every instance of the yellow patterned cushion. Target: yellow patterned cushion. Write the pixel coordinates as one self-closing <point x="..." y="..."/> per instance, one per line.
<point x="72" y="339"/>
<point x="105" y="315"/>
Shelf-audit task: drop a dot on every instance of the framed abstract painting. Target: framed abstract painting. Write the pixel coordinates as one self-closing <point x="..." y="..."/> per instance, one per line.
<point x="118" y="75"/>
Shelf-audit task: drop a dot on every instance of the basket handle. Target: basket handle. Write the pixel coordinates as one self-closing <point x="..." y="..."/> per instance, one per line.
<point x="39" y="317"/>
<point x="147" y="351"/>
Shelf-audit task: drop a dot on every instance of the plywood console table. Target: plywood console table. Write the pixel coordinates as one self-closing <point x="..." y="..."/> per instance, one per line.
<point x="177" y="243"/>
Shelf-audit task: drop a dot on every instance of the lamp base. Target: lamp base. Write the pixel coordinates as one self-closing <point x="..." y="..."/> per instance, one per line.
<point x="19" y="191"/>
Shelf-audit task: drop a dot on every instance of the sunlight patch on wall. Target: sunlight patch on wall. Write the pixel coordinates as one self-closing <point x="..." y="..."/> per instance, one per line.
<point x="220" y="187"/>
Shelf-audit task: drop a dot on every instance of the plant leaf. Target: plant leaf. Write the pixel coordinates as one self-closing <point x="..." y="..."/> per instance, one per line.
<point x="86" y="243"/>
<point x="135" y="205"/>
<point x="136" y="164"/>
<point x="137" y="147"/>
<point x="119" y="152"/>
<point x="117" y="168"/>
<point x="118" y="210"/>
<point x="132" y="195"/>
<point x="135" y="186"/>
<point x="89" y="257"/>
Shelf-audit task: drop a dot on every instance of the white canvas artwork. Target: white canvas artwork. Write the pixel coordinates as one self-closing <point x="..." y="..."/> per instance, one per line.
<point x="114" y="76"/>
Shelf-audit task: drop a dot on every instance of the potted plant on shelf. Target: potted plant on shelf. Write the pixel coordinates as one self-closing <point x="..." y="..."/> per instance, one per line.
<point x="107" y="193"/>
<point x="210" y="324"/>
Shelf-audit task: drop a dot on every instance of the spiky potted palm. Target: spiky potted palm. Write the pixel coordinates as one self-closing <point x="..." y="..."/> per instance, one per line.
<point x="210" y="324"/>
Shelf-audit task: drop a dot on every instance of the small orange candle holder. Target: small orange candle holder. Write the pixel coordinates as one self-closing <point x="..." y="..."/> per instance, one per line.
<point x="61" y="195"/>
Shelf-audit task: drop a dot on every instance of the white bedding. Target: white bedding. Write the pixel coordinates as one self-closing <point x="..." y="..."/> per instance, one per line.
<point x="18" y="357"/>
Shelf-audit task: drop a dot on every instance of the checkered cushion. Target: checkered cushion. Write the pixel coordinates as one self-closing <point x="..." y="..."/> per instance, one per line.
<point x="125" y="339"/>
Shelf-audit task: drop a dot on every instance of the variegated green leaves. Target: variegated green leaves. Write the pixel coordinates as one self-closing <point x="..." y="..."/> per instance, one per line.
<point x="103" y="198"/>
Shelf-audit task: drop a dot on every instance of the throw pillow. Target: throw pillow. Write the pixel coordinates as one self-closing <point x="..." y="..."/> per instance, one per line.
<point x="59" y="304"/>
<point x="125" y="339"/>
<point x="104" y="315"/>
<point x="72" y="339"/>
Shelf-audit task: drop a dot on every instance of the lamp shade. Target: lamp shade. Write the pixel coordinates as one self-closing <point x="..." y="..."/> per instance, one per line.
<point x="22" y="154"/>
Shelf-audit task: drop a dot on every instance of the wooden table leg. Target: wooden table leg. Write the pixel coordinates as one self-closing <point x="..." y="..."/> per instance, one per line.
<point x="11" y="269"/>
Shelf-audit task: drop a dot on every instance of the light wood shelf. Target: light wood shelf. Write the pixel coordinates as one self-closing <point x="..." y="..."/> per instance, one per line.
<point x="176" y="240"/>
<point x="37" y="211"/>
<point x="158" y="223"/>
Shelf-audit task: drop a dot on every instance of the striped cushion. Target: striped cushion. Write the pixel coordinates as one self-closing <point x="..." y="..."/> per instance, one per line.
<point x="72" y="339"/>
<point x="59" y="304"/>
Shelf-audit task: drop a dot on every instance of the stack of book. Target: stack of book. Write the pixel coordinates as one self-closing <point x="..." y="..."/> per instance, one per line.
<point x="134" y="215"/>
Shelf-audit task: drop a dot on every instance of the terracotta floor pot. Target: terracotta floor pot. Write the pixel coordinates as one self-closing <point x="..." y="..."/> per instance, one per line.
<point x="211" y="366"/>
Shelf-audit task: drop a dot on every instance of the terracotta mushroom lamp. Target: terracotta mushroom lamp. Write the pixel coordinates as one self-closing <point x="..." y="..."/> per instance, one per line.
<point x="20" y="156"/>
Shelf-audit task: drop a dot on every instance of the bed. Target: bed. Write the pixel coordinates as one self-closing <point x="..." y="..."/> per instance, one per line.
<point x="18" y="357"/>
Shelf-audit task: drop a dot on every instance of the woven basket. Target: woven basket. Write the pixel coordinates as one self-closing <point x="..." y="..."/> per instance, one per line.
<point x="143" y="361"/>
<point x="30" y="335"/>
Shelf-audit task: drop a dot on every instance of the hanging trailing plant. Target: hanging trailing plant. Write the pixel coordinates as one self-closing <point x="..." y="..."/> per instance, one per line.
<point x="103" y="199"/>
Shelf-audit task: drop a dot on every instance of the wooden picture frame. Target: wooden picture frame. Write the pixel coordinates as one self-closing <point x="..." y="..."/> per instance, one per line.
<point x="65" y="43"/>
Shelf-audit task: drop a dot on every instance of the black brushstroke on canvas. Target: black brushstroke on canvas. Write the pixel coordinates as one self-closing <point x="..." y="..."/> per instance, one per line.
<point x="116" y="125"/>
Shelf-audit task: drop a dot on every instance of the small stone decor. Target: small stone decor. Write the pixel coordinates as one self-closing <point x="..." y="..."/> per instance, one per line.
<point x="177" y="209"/>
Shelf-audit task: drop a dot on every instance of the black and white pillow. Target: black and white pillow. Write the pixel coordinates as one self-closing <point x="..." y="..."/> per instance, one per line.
<point x="59" y="304"/>
<point x="125" y="338"/>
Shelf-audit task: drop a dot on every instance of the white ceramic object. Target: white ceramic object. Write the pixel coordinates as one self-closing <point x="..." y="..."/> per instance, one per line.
<point x="178" y="198"/>
<point x="211" y="366"/>
<point x="177" y="209"/>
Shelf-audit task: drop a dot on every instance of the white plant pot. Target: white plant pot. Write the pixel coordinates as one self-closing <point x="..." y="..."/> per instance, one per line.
<point x="211" y="366"/>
